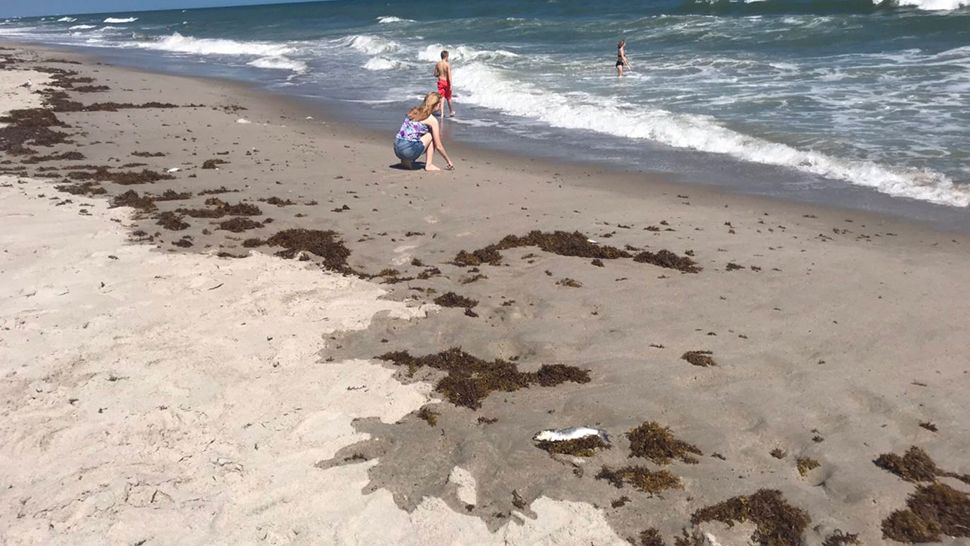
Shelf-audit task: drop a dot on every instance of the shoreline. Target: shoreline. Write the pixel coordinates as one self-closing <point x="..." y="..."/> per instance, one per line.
<point x="940" y="218"/>
<point x="835" y="336"/>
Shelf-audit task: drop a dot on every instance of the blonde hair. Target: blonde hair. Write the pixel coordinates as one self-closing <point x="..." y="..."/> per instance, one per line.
<point x="423" y="111"/>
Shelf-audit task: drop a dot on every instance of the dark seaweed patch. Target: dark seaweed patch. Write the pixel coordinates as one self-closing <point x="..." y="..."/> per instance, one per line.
<point x="239" y="224"/>
<point x="641" y="478"/>
<point x="32" y="126"/>
<point x="777" y="522"/>
<point x="324" y="244"/>
<point x="278" y="202"/>
<point x="470" y="380"/>
<point x="172" y="221"/>
<point x="915" y="466"/>
<point x="699" y="358"/>
<point x="148" y="154"/>
<point x="656" y="442"/>
<point x="84" y="188"/>
<point x="557" y="242"/>
<point x="125" y="178"/>
<point x="839" y="538"/>
<point x="669" y="260"/>
<point x="172" y="195"/>
<point x="213" y="163"/>
<point x="428" y="415"/>
<point x="806" y="465"/>
<point x="579" y="447"/>
<point x="215" y="191"/>
<point x="932" y="511"/>
<point x="65" y="156"/>
<point x="651" y="537"/>
<point x="131" y="199"/>
<point x="450" y="299"/>
<point x="252" y="243"/>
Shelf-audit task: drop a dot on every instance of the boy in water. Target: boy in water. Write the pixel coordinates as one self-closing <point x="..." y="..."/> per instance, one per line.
<point x="442" y="71"/>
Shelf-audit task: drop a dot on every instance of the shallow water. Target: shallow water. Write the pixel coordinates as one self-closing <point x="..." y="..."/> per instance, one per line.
<point x="825" y="101"/>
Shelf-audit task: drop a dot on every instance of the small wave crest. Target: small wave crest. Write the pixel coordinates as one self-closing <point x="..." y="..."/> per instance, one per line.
<point x="935" y="5"/>
<point x="380" y="63"/>
<point x="116" y="20"/>
<point x="279" y="63"/>
<point x="387" y="19"/>
<point x="432" y="53"/>
<point x="371" y="45"/>
<point x="81" y="27"/>
<point x="488" y="87"/>
<point x="66" y="20"/>
<point x="177" y="43"/>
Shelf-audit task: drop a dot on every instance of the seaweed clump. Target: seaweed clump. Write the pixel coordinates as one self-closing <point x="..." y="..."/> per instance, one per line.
<point x="656" y="442"/>
<point x="84" y="188"/>
<point x="806" y="465"/>
<point x="222" y="208"/>
<point x="839" y="538"/>
<point x="777" y="522"/>
<point x="915" y="466"/>
<point x="239" y="224"/>
<point x="470" y="380"/>
<point x="29" y="126"/>
<point x="932" y="511"/>
<point x="125" y="178"/>
<point x="557" y="242"/>
<point x="641" y="478"/>
<point x="321" y="243"/>
<point x="578" y="447"/>
<point x="669" y="260"/>
<point x="213" y="163"/>
<point x="131" y="199"/>
<point x="450" y="299"/>
<point x="170" y="220"/>
<point x="428" y="415"/>
<point x="172" y="195"/>
<point x="651" y="537"/>
<point x="699" y="358"/>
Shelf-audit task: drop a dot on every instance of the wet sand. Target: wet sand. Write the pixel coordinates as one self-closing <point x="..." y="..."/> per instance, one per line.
<point x="788" y="348"/>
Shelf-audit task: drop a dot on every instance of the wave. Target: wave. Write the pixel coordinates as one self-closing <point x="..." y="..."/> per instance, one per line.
<point x="112" y="20"/>
<point x="81" y="27"/>
<point x="391" y="19"/>
<point x="432" y="53"/>
<point x="279" y="63"/>
<point x="935" y="5"/>
<point x="177" y="43"/>
<point x="768" y="7"/>
<point x="371" y="45"/>
<point x="489" y="88"/>
<point x="380" y="63"/>
<point x="66" y="20"/>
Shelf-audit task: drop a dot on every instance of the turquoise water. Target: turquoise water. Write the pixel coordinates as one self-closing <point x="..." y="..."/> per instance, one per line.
<point x="851" y="99"/>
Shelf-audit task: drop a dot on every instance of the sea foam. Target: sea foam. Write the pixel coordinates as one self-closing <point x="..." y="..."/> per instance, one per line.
<point x="115" y="20"/>
<point x="211" y="46"/>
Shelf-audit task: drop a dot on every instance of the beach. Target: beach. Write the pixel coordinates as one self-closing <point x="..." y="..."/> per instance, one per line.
<point x="227" y="318"/>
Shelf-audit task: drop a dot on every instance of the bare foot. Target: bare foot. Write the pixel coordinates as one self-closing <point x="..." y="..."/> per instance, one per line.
<point x="452" y="114"/>
<point x="431" y="168"/>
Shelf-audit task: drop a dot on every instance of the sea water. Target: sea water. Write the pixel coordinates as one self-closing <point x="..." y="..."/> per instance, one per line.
<point x="852" y="102"/>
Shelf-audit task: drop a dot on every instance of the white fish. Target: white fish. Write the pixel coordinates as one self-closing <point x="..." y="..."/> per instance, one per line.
<point x="173" y="170"/>
<point x="243" y="120"/>
<point x="570" y="433"/>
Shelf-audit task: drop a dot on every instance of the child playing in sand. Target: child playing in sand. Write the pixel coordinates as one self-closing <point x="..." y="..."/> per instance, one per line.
<point x="421" y="133"/>
<point x="442" y="71"/>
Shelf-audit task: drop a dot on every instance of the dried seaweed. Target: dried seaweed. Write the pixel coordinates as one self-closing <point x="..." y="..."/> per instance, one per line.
<point x="131" y="199"/>
<point x="669" y="260"/>
<point x="172" y="221"/>
<point x="806" y="465"/>
<point x="239" y="224"/>
<point x="915" y="466"/>
<point x="428" y="415"/>
<point x="699" y="358"/>
<point x="125" y="178"/>
<point x="839" y="538"/>
<point x="450" y="299"/>
<point x="557" y="242"/>
<point x="324" y="244"/>
<point x="470" y="380"/>
<point x="777" y="522"/>
<point x="33" y="127"/>
<point x="579" y="447"/>
<point x="213" y="163"/>
<point x="656" y="442"/>
<point x="641" y="478"/>
<point x="84" y="188"/>
<point x="651" y="537"/>
<point x="932" y="511"/>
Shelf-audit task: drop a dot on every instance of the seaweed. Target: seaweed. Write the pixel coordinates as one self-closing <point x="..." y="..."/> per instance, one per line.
<point x="170" y="220"/>
<point x="667" y="259"/>
<point x="651" y="537"/>
<point x="215" y="191"/>
<point x="278" y="202"/>
<point x="470" y="380"/>
<point x="131" y="199"/>
<point x="933" y="510"/>
<point x="148" y="154"/>
<point x="31" y="126"/>
<point x="557" y="242"/>
<point x="252" y="243"/>
<point x="579" y="447"/>
<point x="84" y="188"/>
<point x="839" y="538"/>
<point x="172" y="195"/>
<point x="213" y="163"/>
<point x="450" y="299"/>
<point x="699" y="358"/>
<point x="569" y="283"/>
<point x="777" y="522"/>
<point x="65" y="156"/>
<point x="239" y="224"/>
<point x="806" y="465"/>
<point x="778" y="453"/>
<point x="125" y="178"/>
<point x="915" y="466"/>
<point x="641" y="478"/>
<point x="427" y="414"/>
<point x="656" y="442"/>
<point x="324" y="244"/>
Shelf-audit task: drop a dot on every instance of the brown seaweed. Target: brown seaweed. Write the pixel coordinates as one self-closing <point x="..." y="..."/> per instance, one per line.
<point x="656" y="442"/>
<point x="641" y="478"/>
<point x="777" y="522"/>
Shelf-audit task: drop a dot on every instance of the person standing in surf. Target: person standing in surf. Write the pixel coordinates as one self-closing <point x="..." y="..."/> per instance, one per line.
<point x="420" y="133"/>
<point x="442" y="71"/>
<point x="621" y="60"/>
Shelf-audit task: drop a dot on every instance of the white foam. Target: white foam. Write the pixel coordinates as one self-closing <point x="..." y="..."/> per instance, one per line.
<point x="432" y="53"/>
<point x="380" y="63"/>
<point x="935" y="5"/>
<point x="279" y="63"/>
<point x="66" y="20"/>
<point x="372" y="45"/>
<point x="81" y="27"/>
<point x="484" y="86"/>
<point x="212" y="46"/>
<point x="570" y="433"/>
<point x="114" y="20"/>
<point x="387" y="19"/>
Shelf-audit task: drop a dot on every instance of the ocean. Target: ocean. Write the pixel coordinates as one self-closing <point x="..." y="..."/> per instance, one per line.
<point x="858" y="103"/>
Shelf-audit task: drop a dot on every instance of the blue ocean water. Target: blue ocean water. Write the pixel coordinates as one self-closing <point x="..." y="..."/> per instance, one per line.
<point x="855" y="100"/>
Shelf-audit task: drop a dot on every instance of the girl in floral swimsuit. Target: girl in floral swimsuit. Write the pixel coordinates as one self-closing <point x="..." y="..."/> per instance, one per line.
<point x="421" y="133"/>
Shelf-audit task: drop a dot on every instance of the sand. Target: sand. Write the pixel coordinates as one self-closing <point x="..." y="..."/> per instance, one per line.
<point x="836" y="336"/>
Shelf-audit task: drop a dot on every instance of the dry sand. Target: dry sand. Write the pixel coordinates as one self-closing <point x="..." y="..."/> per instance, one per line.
<point x="837" y="336"/>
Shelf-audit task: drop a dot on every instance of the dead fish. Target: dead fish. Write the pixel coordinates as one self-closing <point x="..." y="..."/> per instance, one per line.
<point x="569" y="433"/>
